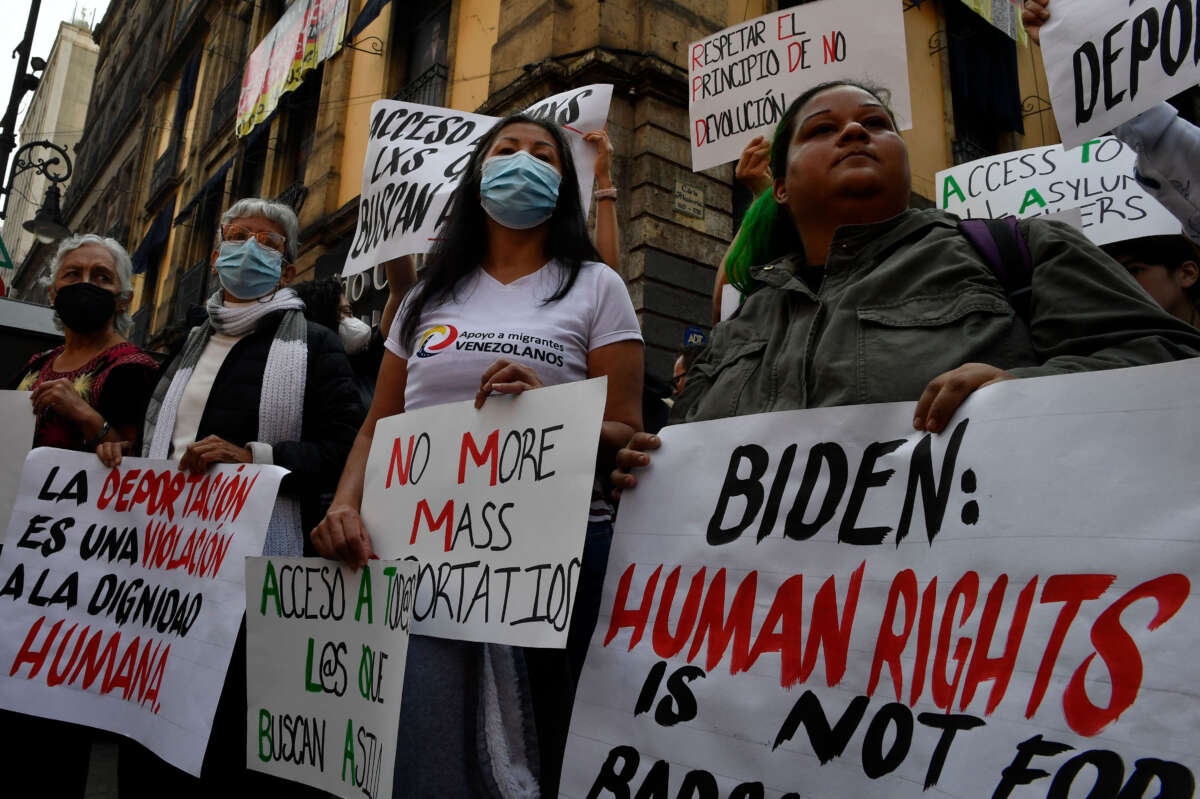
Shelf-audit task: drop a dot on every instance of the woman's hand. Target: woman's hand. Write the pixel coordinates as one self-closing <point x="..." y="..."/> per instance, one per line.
<point x="754" y="167"/>
<point x="1034" y="14"/>
<point x="110" y="452"/>
<point x="632" y="456"/>
<point x="506" y="377"/>
<point x="604" y="152"/>
<point x="948" y="390"/>
<point x="61" y="397"/>
<point x="201" y="454"/>
<point x="342" y="536"/>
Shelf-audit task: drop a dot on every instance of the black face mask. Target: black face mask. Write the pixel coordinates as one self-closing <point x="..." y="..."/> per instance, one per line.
<point x="85" y="307"/>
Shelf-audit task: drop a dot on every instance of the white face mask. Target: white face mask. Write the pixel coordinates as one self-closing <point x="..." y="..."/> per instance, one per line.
<point x="355" y="334"/>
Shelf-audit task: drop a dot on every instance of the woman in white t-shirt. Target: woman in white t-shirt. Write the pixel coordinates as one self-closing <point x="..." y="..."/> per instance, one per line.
<point x="513" y="297"/>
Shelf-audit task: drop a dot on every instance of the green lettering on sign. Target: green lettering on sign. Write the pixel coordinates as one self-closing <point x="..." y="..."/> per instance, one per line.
<point x="348" y="752"/>
<point x="364" y="596"/>
<point x="1032" y="198"/>
<point x="950" y="187"/>
<point x="270" y="588"/>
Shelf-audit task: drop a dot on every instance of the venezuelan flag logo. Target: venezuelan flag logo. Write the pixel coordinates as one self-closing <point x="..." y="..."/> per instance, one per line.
<point x="436" y="339"/>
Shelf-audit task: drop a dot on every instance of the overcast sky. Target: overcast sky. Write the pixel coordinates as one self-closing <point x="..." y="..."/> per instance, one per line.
<point x="16" y="14"/>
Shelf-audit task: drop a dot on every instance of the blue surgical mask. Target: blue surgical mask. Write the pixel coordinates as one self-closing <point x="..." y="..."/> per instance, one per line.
<point x="518" y="190"/>
<point x="247" y="269"/>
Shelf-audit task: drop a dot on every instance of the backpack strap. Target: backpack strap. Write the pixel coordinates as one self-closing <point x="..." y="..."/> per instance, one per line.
<point x="1005" y="251"/>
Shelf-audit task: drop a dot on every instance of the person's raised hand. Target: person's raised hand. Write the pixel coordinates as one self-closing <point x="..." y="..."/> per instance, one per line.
<point x="630" y="458"/>
<point x="604" y="153"/>
<point x="110" y="452"/>
<point x="1034" y="14"/>
<point x="341" y="535"/>
<point x="199" y="455"/>
<point x="754" y="166"/>
<point x="506" y="377"/>
<point x="949" y="390"/>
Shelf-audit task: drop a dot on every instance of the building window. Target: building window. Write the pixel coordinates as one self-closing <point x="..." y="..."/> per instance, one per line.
<point x="421" y="33"/>
<point x="984" y="84"/>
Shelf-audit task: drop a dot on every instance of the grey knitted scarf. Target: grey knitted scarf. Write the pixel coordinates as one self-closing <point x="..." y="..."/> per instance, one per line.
<point x="281" y="404"/>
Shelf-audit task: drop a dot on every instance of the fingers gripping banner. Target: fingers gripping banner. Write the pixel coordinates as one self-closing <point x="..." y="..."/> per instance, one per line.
<point x="824" y="603"/>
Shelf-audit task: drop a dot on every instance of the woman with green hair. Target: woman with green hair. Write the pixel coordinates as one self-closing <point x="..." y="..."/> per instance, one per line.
<point x="853" y="297"/>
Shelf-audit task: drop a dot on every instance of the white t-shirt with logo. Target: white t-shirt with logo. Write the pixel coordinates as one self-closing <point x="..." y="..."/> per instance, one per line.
<point x="460" y="337"/>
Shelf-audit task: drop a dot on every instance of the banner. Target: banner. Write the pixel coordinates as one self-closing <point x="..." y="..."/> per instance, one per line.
<point x="742" y="79"/>
<point x="825" y="603"/>
<point x="1109" y="60"/>
<point x="16" y="439"/>
<point x="346" y="632"/>
<point x="1097" y="179"/>
<point x="1004" y="15"/>
<point x="309" y="32"/>
<point x="493" y="505"/>
<point x="122" y="595"/>
<point x="416" y="156"/>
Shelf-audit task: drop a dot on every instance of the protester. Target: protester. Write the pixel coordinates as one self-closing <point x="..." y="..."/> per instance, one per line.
<point x="608" y="234"/>
<point x="753" y="170"/>
<point x="687" y="357"/>
<point x="1165" y="266"/>
<point x="90" y="389"/>
<point x="1167" y="147"/>
<point x="255" y="383"/>
<point x="514" y="260"/>
<point x="861" y="299"/>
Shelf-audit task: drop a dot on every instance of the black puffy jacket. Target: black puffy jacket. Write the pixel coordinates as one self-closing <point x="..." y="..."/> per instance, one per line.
<point x="332" y="414"/>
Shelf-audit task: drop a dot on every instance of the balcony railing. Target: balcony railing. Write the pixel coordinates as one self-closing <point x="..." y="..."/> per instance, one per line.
<point x="225" y="105"/>
<point x="163" y="174"/>
<point x="189" y="291"/>
<point x="428" y="88"/>
<point x="293" y="196"/>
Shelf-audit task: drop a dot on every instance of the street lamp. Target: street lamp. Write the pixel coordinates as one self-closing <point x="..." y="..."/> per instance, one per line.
<point x="47" y="224"/>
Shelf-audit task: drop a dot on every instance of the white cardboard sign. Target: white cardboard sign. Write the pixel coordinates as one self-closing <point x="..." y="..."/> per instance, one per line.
<point x="325" y="652"/>
<point x="1097" y="179"/>
<point x="16" y="439"/>
<point x="1109" y="60"/>
<point x="493" y="505"/>
<point x="121" y="593"/>
<point x="825" y="603"/>
<point x="742" y="79"/>
<point x="416" y="156"/>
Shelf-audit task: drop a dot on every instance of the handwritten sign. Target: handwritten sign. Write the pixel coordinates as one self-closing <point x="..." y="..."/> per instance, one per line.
<point x="742" y="79"/>
<point x="824" y="603"/>
<point x="16" y="439"/>
<point x="309" y="32"/>
<point x="1109" y="60"/>
<point x="493" y="504"/>
<point x="1097" y="179"/>
<point x="325" y="653"/>
<point x="417" y="154"/>
<point x="121" y="593"/>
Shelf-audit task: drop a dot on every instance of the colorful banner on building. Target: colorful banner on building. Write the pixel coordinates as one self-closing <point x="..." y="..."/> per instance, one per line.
<point x="16" y="439"/>
<point x="1109" y="60"/>
<point x="493" y="504"/>
<point x="416" y="155"/>
<point x="1097" y="179"/>
<point x="1003" y="14"/>
<point x="325" y="653"/>
<point x="741" y="80"/>
<point x="825" y="603"/>
<point x="121" y="593"/>
<point x="309" y="32"/>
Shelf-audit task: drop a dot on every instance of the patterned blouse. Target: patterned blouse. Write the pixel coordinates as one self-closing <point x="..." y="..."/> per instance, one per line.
<point x="117" y="383"/>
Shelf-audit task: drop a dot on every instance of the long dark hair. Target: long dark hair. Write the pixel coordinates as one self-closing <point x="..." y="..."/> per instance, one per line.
<point x="462" y="242"/>
<point x="767" y="231"/>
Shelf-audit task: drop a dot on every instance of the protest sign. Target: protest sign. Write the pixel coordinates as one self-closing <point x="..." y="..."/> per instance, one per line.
<point x="309" y="32"/>
<point x="417" y="154"/>
<point x="325" y="653"/>
<point x="825" y="603"/>
<point x="1109" y="60"/>
<point x="741" y="80"/>
<point x="16" y="439"/>
<point x="122" y="595"/>
<point x="1097" y="179"/>
<point x="493" y="505"/>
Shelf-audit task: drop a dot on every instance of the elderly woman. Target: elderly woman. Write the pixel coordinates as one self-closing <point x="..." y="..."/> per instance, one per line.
<point x="857" y="298"/>
<point x="94" y="386"/>
<point x="255" y="383"/>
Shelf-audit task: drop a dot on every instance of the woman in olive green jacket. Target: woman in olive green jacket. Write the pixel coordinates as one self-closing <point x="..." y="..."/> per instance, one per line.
<point x="872" y="301"/>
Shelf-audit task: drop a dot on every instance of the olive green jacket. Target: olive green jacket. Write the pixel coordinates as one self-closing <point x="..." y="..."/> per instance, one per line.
<point x="908" y="298"/>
